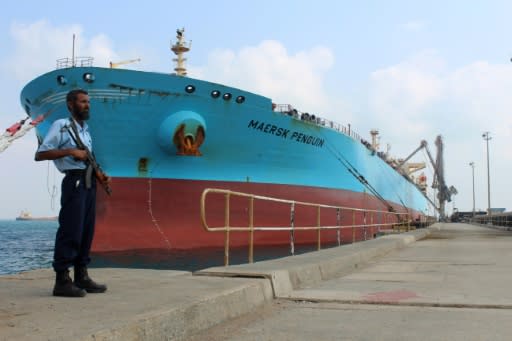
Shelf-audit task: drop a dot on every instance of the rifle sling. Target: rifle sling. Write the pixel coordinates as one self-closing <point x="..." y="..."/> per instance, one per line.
<point x="76" y="138"/>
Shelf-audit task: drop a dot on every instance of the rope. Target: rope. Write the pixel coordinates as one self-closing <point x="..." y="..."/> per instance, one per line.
<point x="397" y="193"/>
<point x="18" y="130"/>
<point x="352" y="170"/>
<point x="53" y="191"/>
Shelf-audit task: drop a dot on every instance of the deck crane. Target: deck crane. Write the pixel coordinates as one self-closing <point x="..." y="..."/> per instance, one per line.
<point x="444" y="192"/>
<point x="115" y="65"/>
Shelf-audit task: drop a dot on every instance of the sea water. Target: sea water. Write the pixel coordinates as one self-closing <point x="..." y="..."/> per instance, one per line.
<point x="28" y="245"/>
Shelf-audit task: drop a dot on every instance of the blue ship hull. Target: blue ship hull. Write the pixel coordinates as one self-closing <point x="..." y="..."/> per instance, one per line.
<point x="239" y="143"/>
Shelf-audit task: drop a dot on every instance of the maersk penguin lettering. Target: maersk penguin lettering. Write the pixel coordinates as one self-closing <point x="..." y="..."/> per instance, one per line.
<point x="307" y="139"/>
<point x="269" y="128"/>
<point x="282" y="132"/>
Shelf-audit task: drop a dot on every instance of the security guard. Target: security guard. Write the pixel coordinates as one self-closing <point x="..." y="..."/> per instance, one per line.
<point x="78" y="199"/>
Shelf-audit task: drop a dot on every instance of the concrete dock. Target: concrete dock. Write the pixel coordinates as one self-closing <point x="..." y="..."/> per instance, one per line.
<point x="445" y="282"/>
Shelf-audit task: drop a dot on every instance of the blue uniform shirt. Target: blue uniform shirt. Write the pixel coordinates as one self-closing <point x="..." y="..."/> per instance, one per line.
<point x="58" y="138"/>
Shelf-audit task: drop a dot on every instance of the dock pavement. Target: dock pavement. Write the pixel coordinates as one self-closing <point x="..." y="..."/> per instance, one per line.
<point x="444" y="282"/>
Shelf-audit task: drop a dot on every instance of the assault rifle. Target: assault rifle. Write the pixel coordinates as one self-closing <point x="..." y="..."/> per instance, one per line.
<point x="100" y="174"/>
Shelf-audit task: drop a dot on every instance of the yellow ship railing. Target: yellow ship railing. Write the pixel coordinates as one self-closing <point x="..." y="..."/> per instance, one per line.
<point x="395" y="221"/>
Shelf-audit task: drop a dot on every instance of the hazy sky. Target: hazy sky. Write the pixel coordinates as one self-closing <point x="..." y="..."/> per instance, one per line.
<point x="411" y="70"/>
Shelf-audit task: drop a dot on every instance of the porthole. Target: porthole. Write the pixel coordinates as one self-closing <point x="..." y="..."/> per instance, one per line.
<point x="61" y="80"/>
<point x="190" y="89"/>
<point x="89" y="77"/>
<point x="240" y="99"/>
<point x="215" y="94"/>
<point x="226" y="96"/>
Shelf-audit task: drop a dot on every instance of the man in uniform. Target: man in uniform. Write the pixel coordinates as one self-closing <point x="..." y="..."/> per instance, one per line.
<point x="78" y="199"/>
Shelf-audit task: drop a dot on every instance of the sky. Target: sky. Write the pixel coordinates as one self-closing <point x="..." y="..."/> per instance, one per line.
<point x="413" y="70"/>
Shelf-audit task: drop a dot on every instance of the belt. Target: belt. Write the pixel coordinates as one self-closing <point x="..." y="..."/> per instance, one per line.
<point x="86" y="173"/>
<point x="75" y="172"/>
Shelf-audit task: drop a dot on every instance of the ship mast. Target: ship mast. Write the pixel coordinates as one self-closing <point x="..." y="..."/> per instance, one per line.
<point x="375" y="142"/>
<point x="179" y="49"/>
<point x="73" y="53"/>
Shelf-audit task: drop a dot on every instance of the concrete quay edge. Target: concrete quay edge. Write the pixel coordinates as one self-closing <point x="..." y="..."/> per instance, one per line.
<point x="139" y="305"/>
<point x="299" y="271"/>
<point x="183" y="321"/>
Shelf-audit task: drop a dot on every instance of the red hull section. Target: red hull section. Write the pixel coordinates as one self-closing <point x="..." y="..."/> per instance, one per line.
<point x="162" y="214"/>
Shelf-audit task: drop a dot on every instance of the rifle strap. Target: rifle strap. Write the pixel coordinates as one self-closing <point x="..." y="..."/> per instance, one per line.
<point x="76" y="138"/>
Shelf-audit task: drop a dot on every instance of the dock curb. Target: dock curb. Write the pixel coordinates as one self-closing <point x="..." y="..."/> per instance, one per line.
<point x="182" y="322"/>
<point x="294" y="272"/>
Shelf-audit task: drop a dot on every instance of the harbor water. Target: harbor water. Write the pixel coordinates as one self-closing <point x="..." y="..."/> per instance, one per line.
<point x="28" y="245"/>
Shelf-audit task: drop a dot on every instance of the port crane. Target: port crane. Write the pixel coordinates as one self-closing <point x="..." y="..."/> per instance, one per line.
<point x="444" y="193"/>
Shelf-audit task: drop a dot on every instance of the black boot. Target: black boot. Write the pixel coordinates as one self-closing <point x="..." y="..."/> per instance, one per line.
<point x="64" y="286"/>
<point x="83" y="281"/>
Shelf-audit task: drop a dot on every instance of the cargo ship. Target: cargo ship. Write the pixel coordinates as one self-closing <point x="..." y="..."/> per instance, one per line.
<point x="26" y="215"/>
<point x="165" y="138"/>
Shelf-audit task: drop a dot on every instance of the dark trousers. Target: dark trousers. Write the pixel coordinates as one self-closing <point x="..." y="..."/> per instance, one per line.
<point x="76" y="223"/>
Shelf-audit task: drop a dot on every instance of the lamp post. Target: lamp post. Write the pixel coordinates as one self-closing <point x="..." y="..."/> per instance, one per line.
<point x="472" y="164"/>
<point x="486" y="137"/>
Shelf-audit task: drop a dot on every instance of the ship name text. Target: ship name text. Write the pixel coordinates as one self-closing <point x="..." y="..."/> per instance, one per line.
<point x="269" y="128"/>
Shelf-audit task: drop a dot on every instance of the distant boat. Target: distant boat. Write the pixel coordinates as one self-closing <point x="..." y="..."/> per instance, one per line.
<point x="26" y="215"/>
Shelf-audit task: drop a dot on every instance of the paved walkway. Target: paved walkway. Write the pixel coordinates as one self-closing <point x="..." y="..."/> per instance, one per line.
<point x="456" y="284"/>
<point x="447" y="282"/>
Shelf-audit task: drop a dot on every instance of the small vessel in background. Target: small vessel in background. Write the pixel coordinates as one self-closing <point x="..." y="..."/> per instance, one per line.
<point x="26" y="215"/>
